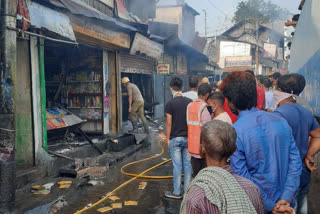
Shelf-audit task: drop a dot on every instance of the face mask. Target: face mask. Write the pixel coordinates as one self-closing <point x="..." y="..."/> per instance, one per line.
<point x="214" y="109"/>
<point x="174" y="93"/>
<point x="278" y="96"/>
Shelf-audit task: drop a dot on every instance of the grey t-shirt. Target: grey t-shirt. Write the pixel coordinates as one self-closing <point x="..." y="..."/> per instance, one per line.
<point x="134" y="91"/>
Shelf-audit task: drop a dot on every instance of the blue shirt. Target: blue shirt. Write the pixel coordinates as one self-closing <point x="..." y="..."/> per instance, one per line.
<point x="267" y="155"/>
<point x="301" y="122"/>
<point x="269" y="100"/>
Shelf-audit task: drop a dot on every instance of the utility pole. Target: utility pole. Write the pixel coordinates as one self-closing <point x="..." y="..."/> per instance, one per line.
<point x="205" y="23"/>
<point x="8" y="42"/>
<point x="257" y="47"/>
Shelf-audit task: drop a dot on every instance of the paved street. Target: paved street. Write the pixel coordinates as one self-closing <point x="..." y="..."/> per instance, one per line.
<point x="150" y="200"/>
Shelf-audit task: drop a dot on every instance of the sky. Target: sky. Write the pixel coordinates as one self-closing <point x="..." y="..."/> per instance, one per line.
<point x="216" y="10"/>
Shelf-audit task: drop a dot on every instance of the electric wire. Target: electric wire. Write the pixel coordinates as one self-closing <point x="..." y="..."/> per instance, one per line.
<point x="135" y="176"/>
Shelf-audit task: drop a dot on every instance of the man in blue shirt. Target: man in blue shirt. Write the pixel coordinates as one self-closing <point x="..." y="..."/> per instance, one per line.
<point x="303" y="126"/>
<point x="266" y="151"/>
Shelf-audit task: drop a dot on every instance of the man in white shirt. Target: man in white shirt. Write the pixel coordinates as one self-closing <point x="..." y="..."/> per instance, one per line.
<point x="216" y="100"/>
<point x="193" y="88"/>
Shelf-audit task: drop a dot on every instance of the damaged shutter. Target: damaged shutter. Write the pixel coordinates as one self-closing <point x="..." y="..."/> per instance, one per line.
<point x="135" y="64"/>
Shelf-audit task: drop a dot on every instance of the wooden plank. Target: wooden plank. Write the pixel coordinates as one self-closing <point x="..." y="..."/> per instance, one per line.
<point x="119" y="96"/>
<point x="36" y="98"/>
<point x="113" y="82"/>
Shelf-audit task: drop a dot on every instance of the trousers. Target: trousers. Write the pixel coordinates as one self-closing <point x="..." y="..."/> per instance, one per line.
<point x="137" y="108"/>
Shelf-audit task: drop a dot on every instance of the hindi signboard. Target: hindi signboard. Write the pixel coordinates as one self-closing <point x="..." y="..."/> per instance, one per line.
<point x="163" y="69"/>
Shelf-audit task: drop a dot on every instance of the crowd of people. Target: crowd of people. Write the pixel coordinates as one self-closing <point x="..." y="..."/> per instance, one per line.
<point x="245" y="146"/>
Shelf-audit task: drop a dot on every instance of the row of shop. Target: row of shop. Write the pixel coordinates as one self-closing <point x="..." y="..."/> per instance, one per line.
<point x="70" y="72"/>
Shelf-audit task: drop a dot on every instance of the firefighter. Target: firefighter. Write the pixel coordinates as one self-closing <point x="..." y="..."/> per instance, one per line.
<point x="136" y="104"/>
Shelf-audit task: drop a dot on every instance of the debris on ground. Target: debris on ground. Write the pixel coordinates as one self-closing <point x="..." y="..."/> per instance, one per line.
<point x="42" y="189"/>
<point x="142" y="185"/>
<point x="96" y="183"/>
<point x="37" y="187"/>
<point x="56" y="207"/>
<point x="116" y="205"/>
<point x="88" y="205"/>
<point x="93" y="172"/>
<point x="140" y="137"/>
<point x="131" y="203"/>
<point x="64" y="184"/>
<point x="50" y="208"/>
<point x="48" y="186"/>
<point x="104" y="209"/>
<point x="41" y="192"/>
<point x="114" y="198"/>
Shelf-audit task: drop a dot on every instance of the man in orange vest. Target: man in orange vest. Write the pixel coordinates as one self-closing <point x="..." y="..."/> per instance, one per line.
<point x="197" y="116"/>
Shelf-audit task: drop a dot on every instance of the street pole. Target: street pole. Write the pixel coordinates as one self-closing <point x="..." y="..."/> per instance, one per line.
<point x="257" y="47"/>
<point x="205" y="23"/>
<point x="7" y="105"/>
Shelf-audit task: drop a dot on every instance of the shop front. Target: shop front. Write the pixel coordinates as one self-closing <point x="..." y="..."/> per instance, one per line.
<point x="139" y="64"/>
<point x="83" y="80"/>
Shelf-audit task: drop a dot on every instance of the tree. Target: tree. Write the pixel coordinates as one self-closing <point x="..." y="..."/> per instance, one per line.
<point x="259" y="10"/>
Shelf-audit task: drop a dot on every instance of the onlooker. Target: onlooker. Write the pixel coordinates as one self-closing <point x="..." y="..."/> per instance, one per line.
<point x="193" y="88"/>
<point x="197" y="116"/>
<point x="301" y="84"/>
<point x="266" y="86"/>
<point x="303" y="126"/>
<point x="274" y="77"/>
<point x="266" y="151"/>
<point x="136" y="104"/>
<point x="205" y="80"/>
<point x="216" y="189"/>
<point x="216" y="100"/>
<point x="261" y="98"/>
<point x="259" y="79"/>
<point x="226" y="107"/>
<point x="177" y="132"/>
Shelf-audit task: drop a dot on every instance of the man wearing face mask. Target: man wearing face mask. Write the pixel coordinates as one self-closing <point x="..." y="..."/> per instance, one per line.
<point x="197" y="116"/>
<point x="266" y="150"/>
<point x="216" y="100"/>
<point x="304" y="126"/>
<point x="177" y="133"/>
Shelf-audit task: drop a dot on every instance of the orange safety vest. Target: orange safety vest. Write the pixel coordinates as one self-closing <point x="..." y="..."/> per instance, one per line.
<point x="194" y="112"/>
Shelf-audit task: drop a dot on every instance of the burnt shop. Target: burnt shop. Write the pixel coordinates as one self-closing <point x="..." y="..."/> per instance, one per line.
<point x="139" y="65"/>
<point x="82" y="82"/>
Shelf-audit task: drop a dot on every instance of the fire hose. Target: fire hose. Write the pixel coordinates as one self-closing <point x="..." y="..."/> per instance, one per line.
<point x="135" y="176"/>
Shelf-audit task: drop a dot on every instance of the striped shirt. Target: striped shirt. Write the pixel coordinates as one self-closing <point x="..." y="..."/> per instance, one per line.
<point x="197" y="203"/>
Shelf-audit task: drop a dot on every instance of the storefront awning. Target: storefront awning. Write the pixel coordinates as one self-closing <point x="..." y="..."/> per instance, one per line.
<point x="81" y="8"/>
<point x="144" y="45"/>
<point x="43" y="17"/>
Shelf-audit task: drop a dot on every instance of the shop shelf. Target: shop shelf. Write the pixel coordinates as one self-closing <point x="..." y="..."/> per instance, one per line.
<point x="85" y="94"/>
<point x="87" y="81"/>
<point x="93" y="120"/>
<point x="84" y="107"/>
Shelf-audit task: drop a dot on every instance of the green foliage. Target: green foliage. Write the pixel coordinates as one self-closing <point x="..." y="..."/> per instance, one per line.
<point x="259" y="10"/>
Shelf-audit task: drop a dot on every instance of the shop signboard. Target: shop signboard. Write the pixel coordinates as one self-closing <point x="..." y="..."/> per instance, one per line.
<point x="108" y="2"/>
<point x="232" y="49"/>
<point x="144" y="45"/>
<point x="238" y="61"/>
<point x="101" y="36"/>
<point x="270" y="50"/>
<point x="163" y="69"/>
<point x="181" y="64"/>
